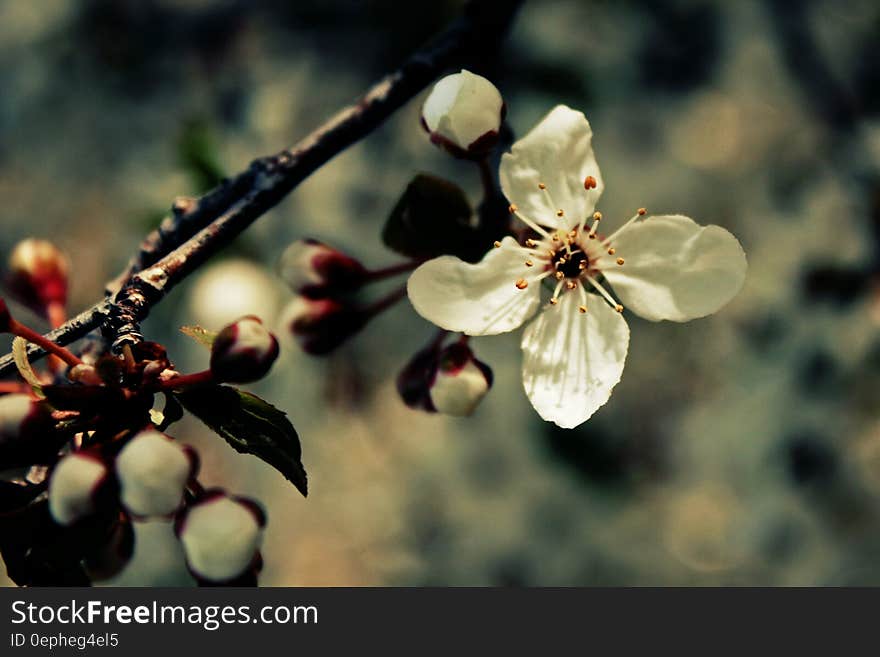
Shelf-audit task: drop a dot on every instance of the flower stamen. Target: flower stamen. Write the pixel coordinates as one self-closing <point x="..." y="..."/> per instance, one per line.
<point x="607" y="296"/>
<point x="641" y="212"/>
<point x="514" y="210"/>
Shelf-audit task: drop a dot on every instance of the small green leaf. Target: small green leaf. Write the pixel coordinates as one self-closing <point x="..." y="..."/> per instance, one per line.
<point x="19" y="355"/>
<point x="201" y="335"/>
<point x="432" y="218"/>
<point x="251" y="425"/>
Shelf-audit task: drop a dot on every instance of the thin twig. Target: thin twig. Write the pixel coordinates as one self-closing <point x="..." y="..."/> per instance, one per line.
<point x="198" y="228"/>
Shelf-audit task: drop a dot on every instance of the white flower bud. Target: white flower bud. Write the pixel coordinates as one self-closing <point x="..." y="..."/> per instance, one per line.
<point x="153" y="470"/>
<point x="243" y="352"/>
<point x="463" y="114"/>
<point x="25" y="431"/>
<point x="38" y="274"/>
<point x="74" y="486"/>
<point x="221" y="536"/>
<point x="313" y="268"/>
<point x="459" y="387"/>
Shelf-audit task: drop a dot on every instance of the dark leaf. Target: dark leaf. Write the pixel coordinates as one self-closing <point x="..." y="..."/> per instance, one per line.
<point x="432" y="218"/>
<point x="251" y="425"/>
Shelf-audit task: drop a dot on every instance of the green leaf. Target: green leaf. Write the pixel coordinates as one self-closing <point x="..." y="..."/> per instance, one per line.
<point x="19" y="355"/>
<point x="432" y="218"/>
<point x="201" y="335"/>
<point x="251" y="425"/>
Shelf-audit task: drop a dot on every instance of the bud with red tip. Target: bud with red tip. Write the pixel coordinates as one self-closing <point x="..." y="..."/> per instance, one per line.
<point x="153" y="470"/>
<point x="76" y="487"/>
<point x="243" y="352"/>
<point x="314" y="269"/>
<point x="221" y="536"/>
<point x="321" y="325"/>
<point x="463" y="114"/>
<point x="27" y="433"/>
<point x="449" y="381"/>
<point x="38" y="275"/>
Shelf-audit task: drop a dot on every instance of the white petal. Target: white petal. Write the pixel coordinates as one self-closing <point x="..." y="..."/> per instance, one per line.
<point x="480" y="299"/>
<point x="559" y="153"/>
<point x="676" y="269"/>
<point x="462" y="108"/>
<point x="571" y="361"/>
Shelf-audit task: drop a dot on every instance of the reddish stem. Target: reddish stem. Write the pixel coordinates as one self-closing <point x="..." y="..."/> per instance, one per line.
<point x="385" y="303"/>
<point x="204" y="377"/>
<point x="13" y="387"/>
<point x="392" y="270"/>
<point x="22" y="331"/>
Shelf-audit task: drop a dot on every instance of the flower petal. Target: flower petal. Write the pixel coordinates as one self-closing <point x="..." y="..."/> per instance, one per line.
<point x="571" y="361"/>
<point x="559" y="153"/>
<point x="676" y="269"/>
<point x="477" y="299"/>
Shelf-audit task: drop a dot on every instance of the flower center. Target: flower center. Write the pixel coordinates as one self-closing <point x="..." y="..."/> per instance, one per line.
<point x="574" y="259"/>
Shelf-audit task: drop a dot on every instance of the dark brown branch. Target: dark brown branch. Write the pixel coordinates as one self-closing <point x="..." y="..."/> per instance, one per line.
<point x="198" y="228"/>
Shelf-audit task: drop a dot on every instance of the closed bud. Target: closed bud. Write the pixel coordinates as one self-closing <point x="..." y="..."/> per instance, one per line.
<point x="221" y="536"/>
<point x="153" y="470"/>
<point x="314" y="269"/>
<point x="75" y="487"/>
<point x="27" y="433"/>
<point x="243" y="352"/>
<point x="463" y="114"/>
<point x="321" y="325"/>
<point x="450" y="381"/>
<point x="38" y="275"/>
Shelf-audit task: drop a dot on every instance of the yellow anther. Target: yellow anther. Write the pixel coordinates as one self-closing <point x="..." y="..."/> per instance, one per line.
<point x="620" y="261"/>
<point x="592" y="235"/>
<point x="542" y="185"/>
<point x="522" y="284"/>
<point x="512" y="208"/>
<point x="618" y="308"/>
<point x="529" y="263"/>
<point x="497" y="244"/>
<point x="559" y="213"/>
<point x="583" y="309"/>
<point x="553" y="301"/>
<point x="590" y="182"/>
<point x="559" y="275"/>
<point x="582" y="265"/>
<point x="597" y="216"/>
<point x="611" y="251"/>
<point x="571" y="285"/>
<point x="642" y="212"/>
<point x="573" y="233"/>
<point x="531" y="242"/>
<point x="561" y="261"/>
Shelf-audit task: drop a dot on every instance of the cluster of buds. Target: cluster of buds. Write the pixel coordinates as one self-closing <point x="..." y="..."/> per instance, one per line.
<point x="448" y="380"/>
<point x="81" y="462"/>
<point x="154" y="477"/>
<point x="326" y="310"/>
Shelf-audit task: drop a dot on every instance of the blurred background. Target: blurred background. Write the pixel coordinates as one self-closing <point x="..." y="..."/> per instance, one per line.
<point x="740" y="449"/>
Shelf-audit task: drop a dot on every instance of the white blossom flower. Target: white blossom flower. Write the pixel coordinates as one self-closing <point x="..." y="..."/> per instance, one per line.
<point x="661" y="267"/>
<point x="463" y="114"/>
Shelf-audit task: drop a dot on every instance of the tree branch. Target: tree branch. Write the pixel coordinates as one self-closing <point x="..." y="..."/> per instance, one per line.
<point x="198" y="228"/>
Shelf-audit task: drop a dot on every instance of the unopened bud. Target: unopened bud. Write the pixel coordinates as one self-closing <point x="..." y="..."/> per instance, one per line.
<point x="314" y="269"/>
<point x="321" y="325"/>
<point x="38" y="274"/>
<point x="153" y="470"/>
<point x="26" y="431"/>
<point x="75" y="486"/>
<point x="463" y="114"/>
<point x="243" y="352"/>
<point x="450" y="381"/>
<point x="221" y="536"/>
<point x="461" y="381"/>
